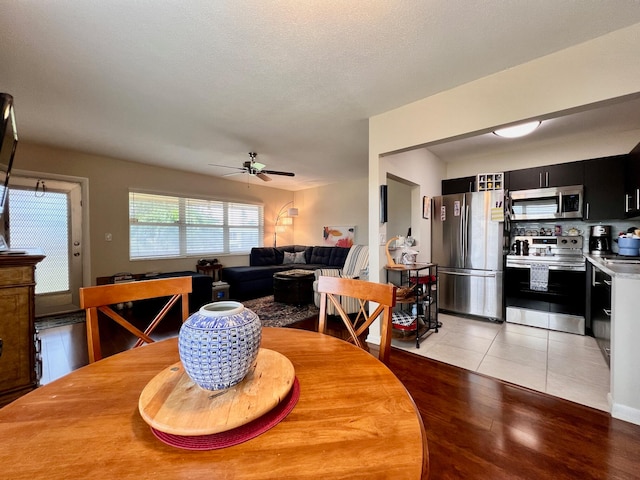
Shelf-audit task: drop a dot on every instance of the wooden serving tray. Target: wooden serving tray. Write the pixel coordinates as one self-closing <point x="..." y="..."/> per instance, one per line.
<point x="172" y="403"/>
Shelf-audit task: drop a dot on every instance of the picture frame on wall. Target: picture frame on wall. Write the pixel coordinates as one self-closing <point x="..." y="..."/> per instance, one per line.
<point x="426" y="207"/>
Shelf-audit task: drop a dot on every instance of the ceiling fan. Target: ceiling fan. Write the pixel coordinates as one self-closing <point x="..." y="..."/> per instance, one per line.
<point x="254" y="168"/>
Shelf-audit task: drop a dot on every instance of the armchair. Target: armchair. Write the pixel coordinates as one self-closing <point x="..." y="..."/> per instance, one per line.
<point x="356" y="261"/>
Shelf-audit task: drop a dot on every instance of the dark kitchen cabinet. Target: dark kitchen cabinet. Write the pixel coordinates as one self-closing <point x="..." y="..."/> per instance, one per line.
<point x="604" y="188"/>
<point x="459" y="185"/>
<point x="632" y="186"/>
<point x="598" y="311"/>
<point x="559" y="175"/>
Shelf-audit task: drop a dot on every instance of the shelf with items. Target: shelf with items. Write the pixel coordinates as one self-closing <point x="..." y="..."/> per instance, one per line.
<point x="416" y="314"/>
<point x="490" y="181"/>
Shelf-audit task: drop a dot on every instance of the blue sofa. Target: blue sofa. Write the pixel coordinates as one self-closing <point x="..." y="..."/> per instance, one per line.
<point x="256" y="280"/>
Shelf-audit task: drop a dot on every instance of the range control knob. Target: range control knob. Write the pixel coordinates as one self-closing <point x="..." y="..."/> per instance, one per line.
<point x="564" y="240"/>
<point x="574" y="241"/>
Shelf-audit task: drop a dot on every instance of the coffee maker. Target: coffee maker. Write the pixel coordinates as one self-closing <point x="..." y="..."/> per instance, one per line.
<point x="600" y="240"/>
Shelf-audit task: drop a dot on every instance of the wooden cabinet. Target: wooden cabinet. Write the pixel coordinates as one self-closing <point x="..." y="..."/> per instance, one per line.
<point x="559" y="175"/>
<point x="604" y="188"/>
<point x="459" y="185"/>
<point x="17" y="331"/>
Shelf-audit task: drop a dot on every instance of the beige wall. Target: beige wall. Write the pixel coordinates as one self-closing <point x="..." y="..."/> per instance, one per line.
<point x="340" y="204"/>
<point x="110" y="180"/>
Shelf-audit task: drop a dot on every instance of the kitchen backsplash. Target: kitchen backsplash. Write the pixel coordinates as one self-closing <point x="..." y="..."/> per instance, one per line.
<point x="549" y="228"/>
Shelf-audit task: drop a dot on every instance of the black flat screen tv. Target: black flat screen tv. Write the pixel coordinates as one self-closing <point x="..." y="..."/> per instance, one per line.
<point x="9" y="135"/>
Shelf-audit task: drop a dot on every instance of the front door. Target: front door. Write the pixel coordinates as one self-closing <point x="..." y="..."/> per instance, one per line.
<point x="47" y="214"/>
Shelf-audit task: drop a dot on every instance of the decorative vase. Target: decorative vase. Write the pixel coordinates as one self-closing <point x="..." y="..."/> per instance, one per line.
<point x="219" y="343"/>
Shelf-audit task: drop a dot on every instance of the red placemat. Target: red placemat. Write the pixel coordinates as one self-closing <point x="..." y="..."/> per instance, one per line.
<point x="237" y="435"/>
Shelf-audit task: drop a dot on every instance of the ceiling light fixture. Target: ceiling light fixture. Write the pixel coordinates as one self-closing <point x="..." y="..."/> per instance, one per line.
<point x="517" y="130"/>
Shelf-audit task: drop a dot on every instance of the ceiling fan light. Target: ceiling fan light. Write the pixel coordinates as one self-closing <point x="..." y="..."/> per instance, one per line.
<point x="516" y="131"/>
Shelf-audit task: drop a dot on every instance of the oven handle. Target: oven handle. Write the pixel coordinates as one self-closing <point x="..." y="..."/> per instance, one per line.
<point x="568" y="268"/>
<point x="464" y="274"/>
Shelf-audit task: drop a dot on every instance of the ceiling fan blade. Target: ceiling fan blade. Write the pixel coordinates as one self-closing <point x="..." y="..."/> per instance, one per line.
<point x="226" y="166"/>
<point x="275" y="172"/>
<point x="262" y="176"/>
<point x="232" y="174"/>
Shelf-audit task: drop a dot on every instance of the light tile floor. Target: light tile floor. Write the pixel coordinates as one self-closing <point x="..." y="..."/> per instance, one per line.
<point x="561" y="364"/>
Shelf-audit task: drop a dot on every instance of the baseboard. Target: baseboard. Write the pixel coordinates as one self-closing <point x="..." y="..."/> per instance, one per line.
<point x="623" y="412"/>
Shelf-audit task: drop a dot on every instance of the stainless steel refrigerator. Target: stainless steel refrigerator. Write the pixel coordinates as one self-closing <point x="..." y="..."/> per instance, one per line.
<point x="467" y="243"/>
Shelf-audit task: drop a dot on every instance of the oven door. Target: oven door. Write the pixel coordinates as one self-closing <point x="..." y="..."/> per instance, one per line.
<point x="561" y="307"/>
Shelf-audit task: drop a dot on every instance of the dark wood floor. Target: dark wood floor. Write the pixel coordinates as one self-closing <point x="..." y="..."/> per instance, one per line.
<point x="481" y="428"/>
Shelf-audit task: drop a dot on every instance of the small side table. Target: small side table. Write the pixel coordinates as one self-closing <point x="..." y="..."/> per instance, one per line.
<point x="294" y="287"/>
<point x="215" y="271"/>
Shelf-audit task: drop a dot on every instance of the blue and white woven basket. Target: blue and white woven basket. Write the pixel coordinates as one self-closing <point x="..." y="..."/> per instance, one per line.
<point x="219" y="344"/>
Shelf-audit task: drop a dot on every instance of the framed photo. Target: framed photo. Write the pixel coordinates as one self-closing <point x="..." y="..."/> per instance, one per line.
<point x="426" y="207"/>
<point x="338" y="236"/>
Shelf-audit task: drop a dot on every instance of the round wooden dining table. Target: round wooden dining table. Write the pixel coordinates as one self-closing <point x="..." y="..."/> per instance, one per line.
<point x="353" y="419"/>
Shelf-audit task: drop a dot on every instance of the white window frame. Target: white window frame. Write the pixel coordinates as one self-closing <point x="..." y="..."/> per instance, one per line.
<point x="226" y="247"/>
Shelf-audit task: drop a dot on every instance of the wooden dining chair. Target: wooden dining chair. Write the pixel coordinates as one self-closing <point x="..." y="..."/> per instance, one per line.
<point x="331" y="290"/>
<point x="102" y="297"/>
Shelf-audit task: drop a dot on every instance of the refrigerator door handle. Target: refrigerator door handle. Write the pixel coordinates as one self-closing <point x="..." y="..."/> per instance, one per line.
<point x="466" y="233"/>
<point x="462" y="227"/>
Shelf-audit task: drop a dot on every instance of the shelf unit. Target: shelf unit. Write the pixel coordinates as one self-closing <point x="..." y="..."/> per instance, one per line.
<point x="490" y="181"/>
<point x="418" y="313"/>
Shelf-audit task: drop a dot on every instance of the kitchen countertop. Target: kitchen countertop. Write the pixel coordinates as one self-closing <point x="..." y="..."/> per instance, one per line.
<point x="616" y="270"/>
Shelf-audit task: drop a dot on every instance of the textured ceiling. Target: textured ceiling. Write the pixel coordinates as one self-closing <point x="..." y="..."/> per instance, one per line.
<point x="184" y="84"/>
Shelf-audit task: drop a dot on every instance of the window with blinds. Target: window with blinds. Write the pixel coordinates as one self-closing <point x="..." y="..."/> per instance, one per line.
<point x="162" y="226"/>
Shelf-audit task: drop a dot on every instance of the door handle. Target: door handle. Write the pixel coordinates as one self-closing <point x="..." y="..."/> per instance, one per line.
<point x="587" y="215"/>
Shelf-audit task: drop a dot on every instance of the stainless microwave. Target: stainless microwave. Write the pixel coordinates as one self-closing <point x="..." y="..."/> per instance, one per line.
<point x="546" y="203"/>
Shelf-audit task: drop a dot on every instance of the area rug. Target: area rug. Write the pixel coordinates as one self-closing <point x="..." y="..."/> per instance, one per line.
<point x="44" y="323"/>
<point x="276" y="314"/>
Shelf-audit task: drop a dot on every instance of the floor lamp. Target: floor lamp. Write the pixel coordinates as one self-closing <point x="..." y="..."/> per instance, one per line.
<point x="286" y="220"/>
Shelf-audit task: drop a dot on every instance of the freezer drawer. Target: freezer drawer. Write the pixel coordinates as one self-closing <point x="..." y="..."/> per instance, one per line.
<point x="471" y="292"/>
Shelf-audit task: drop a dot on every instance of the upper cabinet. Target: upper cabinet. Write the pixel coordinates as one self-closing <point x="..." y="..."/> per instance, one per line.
<point x="459" y="185"/>
<point x="632" y="186"/>
<point x="559" y="175"/>
<point x="604" y="188"/>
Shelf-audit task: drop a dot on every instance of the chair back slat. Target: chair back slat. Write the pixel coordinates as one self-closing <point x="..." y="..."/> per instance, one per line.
<point x="332" y="289"/>
<point x="100" y="298"/>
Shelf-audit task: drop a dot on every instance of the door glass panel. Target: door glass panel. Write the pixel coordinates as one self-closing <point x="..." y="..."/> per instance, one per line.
<point x="48" y="214"/>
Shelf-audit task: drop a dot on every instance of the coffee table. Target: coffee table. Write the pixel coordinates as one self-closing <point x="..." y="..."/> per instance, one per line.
<point x="294" y="287"/>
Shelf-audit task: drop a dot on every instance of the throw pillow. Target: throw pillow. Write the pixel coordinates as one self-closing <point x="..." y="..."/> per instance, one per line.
<point x="299" y="258"/>
<point x="289" y="257"/>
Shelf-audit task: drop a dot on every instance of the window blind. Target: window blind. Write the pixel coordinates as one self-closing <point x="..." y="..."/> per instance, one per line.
<point x="164" y="226"/>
